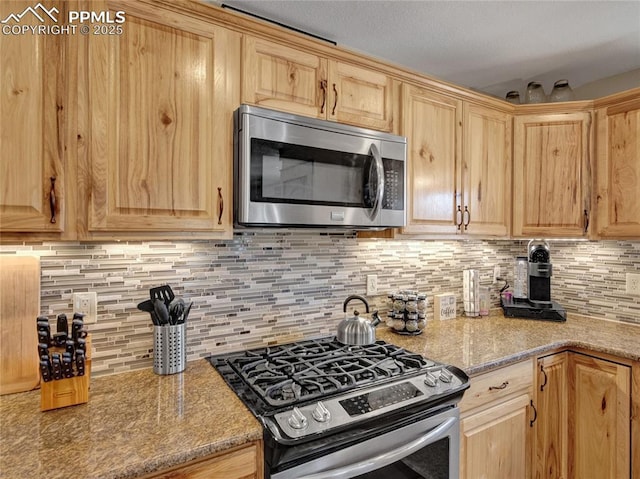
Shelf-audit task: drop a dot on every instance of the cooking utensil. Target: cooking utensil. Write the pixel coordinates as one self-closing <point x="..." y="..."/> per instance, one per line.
<point x="355" y="330"/>
<point x="149" y="308"/>
<point x="162" y="313"/>
<point x="176" y="310"/>
<point x="164" y="293"/>
<point x="186" y="314"/>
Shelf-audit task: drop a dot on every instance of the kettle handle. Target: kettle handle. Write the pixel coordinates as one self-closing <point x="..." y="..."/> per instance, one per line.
<point x="352" y="297"/>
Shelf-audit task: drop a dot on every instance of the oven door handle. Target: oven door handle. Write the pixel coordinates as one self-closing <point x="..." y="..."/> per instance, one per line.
<point x="385" y="458"/>
<point x="380" y="177"/>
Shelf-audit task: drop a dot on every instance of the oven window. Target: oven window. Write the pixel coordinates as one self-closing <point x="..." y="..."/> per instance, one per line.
<point x="287" y="173"/>
<point x="430" y="462"/>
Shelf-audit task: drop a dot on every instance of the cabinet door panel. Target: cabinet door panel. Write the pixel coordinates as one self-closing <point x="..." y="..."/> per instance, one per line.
<point x="551" y="174"/>
<point x="283" y="78"/>
<point x="551" y="428"/>
<point x="486" y="171"/>
<point x="360" y="96"/>
<point x="599" y="420"/>
<point x="32" y="108"/>
<point x="432" y="125"/>
<point x="156" y="127"/>
<point x="495" y="442"/>
<point x="618" y="171"/>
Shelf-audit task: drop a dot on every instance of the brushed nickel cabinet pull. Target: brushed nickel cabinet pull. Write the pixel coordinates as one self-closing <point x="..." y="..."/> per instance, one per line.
<point x="323" y="87"/>
<point x="535" y="414"/>
<point x="544" y="383"/>
<point x="221" y="200"/>
<point x="466" y="224"/>
<point x="502" y="386"/>
<point x="335" y="100"/>
<point x="52" y="199"/>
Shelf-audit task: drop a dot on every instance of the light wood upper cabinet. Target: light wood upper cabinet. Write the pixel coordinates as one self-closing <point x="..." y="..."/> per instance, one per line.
<point x="552" y="174"/>
<point x="618" y="170"/>
<point x="160" y="100"/>
<point x="599" y="418"/>
<point x="288" y="79"/>
<point x="459" y="172"/>
<point x="486" y="171"/>
<point x="552" y="426"/>
<point x="34" y="167"/>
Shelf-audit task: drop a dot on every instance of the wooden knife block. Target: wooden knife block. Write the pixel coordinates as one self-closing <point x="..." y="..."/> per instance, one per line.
<point x="67" y="391"/>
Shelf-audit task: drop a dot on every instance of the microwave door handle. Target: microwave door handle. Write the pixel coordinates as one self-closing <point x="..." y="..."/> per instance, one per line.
<point x="380" y="186"/>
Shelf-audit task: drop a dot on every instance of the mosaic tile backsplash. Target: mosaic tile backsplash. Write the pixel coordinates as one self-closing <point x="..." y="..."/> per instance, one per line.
<point x="266" y="286"/>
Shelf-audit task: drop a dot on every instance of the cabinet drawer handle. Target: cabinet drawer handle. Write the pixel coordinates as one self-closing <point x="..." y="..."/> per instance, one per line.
<point x="544" y="383"/>
<point x="335" y="100"/>
<point x="466" y="224"/>
<point x="221" y="201"/>
<point x="459" y="215"/>
<point x="502" y="386"/>
<point x="535" y="413"/>
<point x="323" y="87"/>
<point x="52" y="199"/>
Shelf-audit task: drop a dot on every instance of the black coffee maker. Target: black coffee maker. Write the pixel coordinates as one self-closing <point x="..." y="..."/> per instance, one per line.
<point x="538" y="305"/>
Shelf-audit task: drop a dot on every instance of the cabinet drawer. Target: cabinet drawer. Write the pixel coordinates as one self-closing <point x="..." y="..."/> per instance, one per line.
<point x="497" y="385"/>
<point x="238" y="464"/>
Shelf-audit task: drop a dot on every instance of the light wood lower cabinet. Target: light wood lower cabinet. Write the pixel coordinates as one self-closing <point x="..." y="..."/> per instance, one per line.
<point x="241" y="463"/>
<point x="495" y="425"/>
<point x="583" y="428"/>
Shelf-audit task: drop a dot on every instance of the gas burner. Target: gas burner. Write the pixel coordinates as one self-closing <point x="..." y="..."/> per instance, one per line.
<point x="292" y="373"/>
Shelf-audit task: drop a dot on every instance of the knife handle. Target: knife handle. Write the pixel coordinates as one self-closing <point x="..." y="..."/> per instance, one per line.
<point x="62" y="324"/>
<point x="79" y="363"/>
<point x="44" y="332"/>
<point x="70" y="347"/>
<point x="56" y="366"/>
<point x="59" y="339"/>
<point x="43" y="349"/>
<point x="45" y="370"/>
<point x="76" y="326"/>
<point x="67" y="367"/>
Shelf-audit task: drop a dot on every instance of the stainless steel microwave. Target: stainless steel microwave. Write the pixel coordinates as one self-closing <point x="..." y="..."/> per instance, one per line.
<point x="294" y="171"/>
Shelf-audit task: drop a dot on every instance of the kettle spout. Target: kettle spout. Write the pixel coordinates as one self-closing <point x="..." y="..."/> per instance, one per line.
<point x="375" y="319"/>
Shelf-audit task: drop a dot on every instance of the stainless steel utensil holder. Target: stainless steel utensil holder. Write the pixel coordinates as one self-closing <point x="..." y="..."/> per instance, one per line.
<point x="170" y="348"/>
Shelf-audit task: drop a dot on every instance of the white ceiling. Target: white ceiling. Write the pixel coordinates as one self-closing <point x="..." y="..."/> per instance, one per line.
<point x="490" y="46"/>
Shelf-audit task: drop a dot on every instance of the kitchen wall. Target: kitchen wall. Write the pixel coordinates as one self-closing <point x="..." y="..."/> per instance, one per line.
<point x="270" y="286"/>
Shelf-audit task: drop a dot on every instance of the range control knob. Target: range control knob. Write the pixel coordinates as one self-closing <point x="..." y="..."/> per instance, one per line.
<point x="321" y="413"/>
<point x="431" y="380"/>
<point x="297" y="419"/>
<point x="445" y="375"/>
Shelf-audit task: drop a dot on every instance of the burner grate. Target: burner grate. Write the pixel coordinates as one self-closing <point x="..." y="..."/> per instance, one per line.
<point x="287" y="374"/>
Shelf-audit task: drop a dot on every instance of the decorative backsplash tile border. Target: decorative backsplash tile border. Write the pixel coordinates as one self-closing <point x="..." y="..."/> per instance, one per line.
<point x="266" y="286"/>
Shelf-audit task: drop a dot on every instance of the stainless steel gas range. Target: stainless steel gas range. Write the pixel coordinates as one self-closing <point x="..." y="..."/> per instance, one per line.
<point x="335" y="411"/>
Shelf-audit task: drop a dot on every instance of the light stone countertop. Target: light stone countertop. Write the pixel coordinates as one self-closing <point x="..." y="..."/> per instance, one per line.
<point x="140" y="422"/>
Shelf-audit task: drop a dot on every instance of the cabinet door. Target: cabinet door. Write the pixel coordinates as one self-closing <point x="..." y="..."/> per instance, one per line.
<point x="360" y="96"/>
<point x="551" y="180"/>
<point x="551" y="427"/>
<point x="33" y="111"/>
<point x="486" y="171"/>
<point x="496" y="442"/>
<point x="283" y="78"/>
<point x="599" y="419"/>
<point x="160" y="99"/>
<point x="618" y="171"/>
<point x="432" y="124"/>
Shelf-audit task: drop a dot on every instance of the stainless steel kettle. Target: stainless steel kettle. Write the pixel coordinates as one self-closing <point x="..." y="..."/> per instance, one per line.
<point x="357" y="331"/>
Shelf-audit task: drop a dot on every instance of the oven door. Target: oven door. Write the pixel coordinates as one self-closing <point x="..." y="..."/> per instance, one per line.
<point x="426" y="449"/>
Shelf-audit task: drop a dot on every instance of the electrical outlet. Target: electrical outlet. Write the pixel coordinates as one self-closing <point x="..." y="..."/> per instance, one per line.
<point x="87" y="304"/>
<point x="372" y="284"/>
<point x="496" y="273"/>
<point x="633" y="284"/>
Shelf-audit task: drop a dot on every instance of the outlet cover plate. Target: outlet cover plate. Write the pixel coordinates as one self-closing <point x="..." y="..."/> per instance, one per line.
<point x="633" y="284"/>
<point x="87" y="304"/>
<point x="372" y="284"/>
